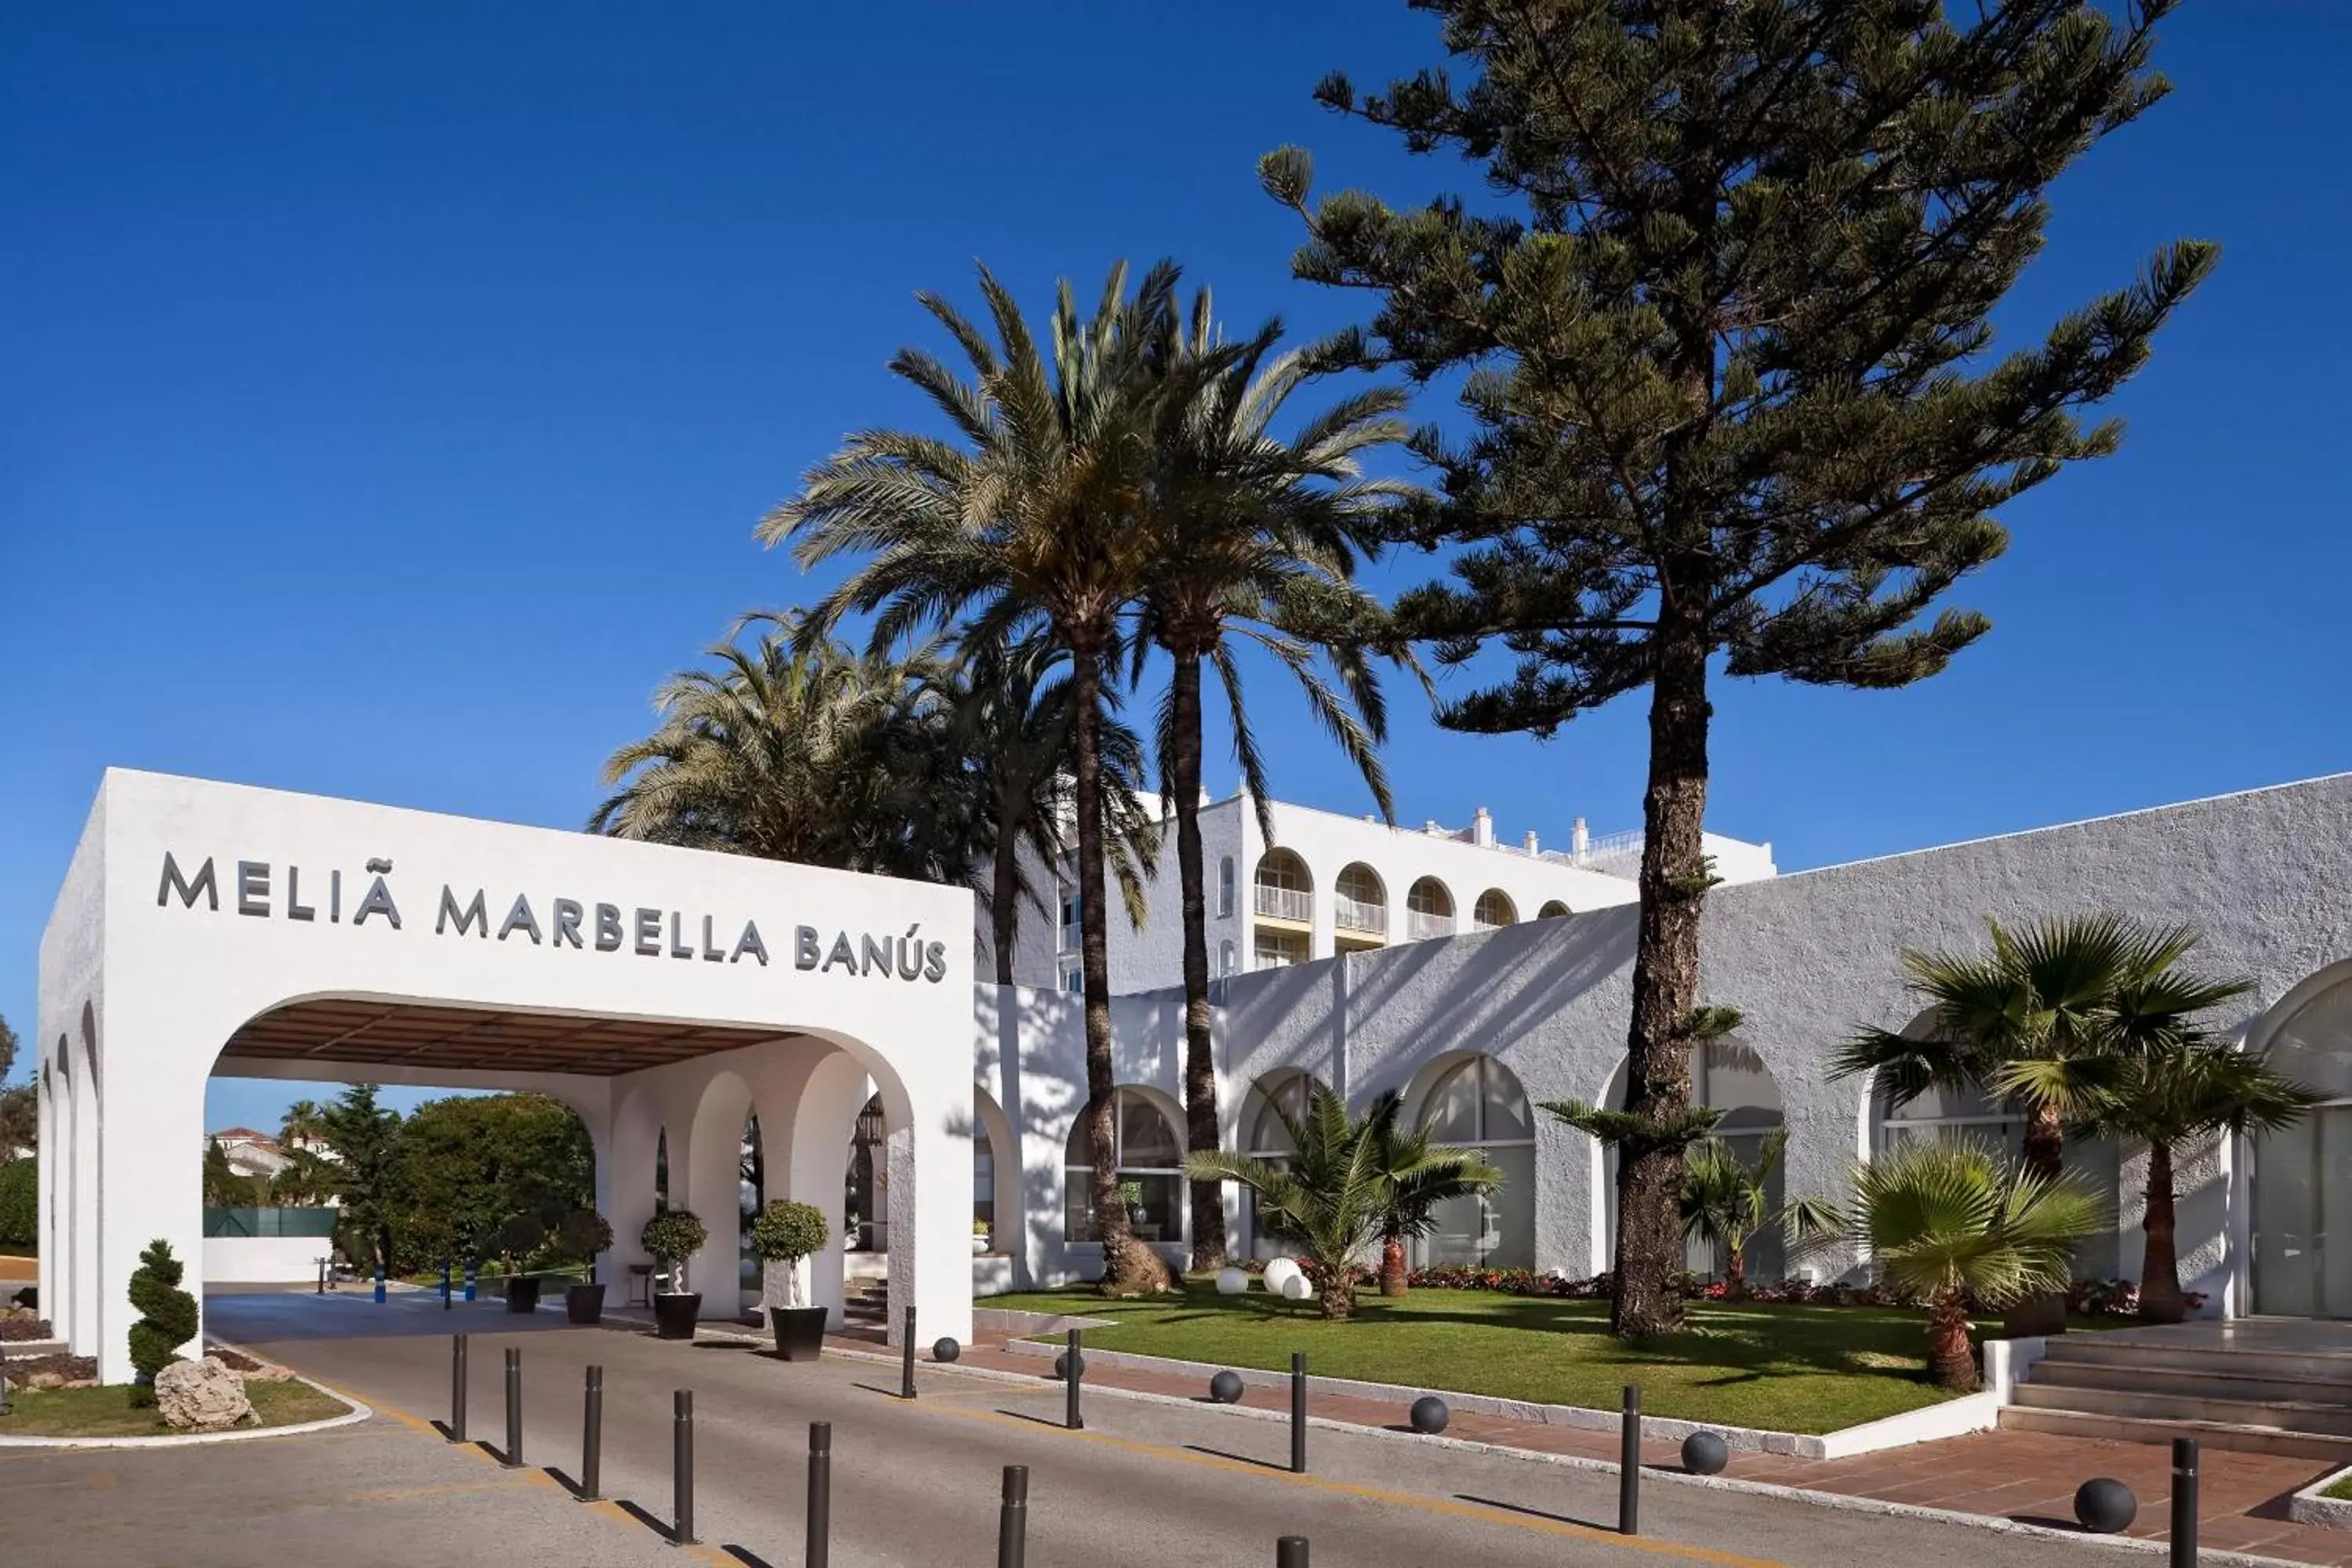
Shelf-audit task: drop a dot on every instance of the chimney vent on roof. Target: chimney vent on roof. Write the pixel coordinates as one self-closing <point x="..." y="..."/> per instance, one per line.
<point x="1534" y="847"/>
<point x="1579" y="839"/>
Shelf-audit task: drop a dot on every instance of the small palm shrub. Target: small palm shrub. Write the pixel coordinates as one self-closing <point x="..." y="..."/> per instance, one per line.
<point x="167" y="1316"/>
<point x="671" y="1238"/>
<point x="785" y="1232"/>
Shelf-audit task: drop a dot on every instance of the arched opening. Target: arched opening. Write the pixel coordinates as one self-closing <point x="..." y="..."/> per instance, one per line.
<point x="1282" y="900"/>
<point x="1150" y="1157"/>
<point x="1225" y="887"/>
<point x="996" y="1210"/>
<point x="1360" y="907"/>
<point x="1553" y="910"/>
<point x="1428" y="909"/>
<point x="865" y="1184"/>
<point x="1264" y="1137"/>
<point x="1727" y="1075"/>
<point x="1474" y="1101"/>
<point x="2302" y="1205"/>
<point x="1493" y="911"/>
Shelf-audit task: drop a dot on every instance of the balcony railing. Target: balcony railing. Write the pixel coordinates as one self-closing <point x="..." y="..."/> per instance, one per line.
<point x="1354" y="914"/>
<point x="1071" y="936"/>
<point x="1285" y="903"/>
<point x="1419" y="927"/>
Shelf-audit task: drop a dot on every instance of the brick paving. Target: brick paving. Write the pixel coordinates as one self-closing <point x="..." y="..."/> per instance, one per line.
<point x="2029" y="1477"/>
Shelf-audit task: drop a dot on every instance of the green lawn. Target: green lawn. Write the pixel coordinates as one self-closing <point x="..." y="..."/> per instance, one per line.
<point x="106" y="1412"/>
<point x="1790" y="1369"/>
<point x="2342" y="1489"/>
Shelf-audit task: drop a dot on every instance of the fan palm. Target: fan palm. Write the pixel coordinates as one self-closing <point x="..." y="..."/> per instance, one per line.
<point x="1256" y="537"/>
<point x="305" y="1123"/>
<point x="1421" y="1175"/>
<point x="1727" y="1202"/>
<point x="2178" y="1092"/>
<point x="2078" y="994"/>
<point x="1027" y="517"/>
<point x="1348" y="1183"/>
<point x="1953" y="1221"/>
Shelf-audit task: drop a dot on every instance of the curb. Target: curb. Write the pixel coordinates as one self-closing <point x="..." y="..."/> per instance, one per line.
<point x="358" y="1412"/>
<point x="2309" y="1507"/>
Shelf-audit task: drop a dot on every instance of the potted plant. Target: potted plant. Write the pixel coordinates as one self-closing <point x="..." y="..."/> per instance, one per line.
<point x="979" y="1238"/>
<point x="584" y="1234"/>
<point x="782" y="1234"/>
<point x="517" y="1239"/>
<point x="671" y="1238"/>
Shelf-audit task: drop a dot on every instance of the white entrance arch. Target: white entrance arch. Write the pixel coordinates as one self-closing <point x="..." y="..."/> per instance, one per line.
<point x="218" y="927"/>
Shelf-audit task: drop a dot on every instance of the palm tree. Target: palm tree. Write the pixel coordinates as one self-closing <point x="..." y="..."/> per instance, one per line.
<point x="303" y="1125"/>
<point x="1955" y="1221"/>
<point x="1727" y="1203"/>
<point x="1027" y="519"/>
<point x="2177" y="1094"/>
<point x="1346" y="1185"/>
<point x="2078" y="994"/>
<point x="1421" y="1174"/>
<point x="1256" y="537"/>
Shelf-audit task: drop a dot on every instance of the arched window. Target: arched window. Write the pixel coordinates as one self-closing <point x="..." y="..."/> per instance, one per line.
<point x="1150" y="1166"/>
<point x="1264" y="1137"/>
<point x="1283" y="892"/>
<point x="1477" y="1103"/>
<point x="983" y="1184"/>
<point x="1225" y="887"/>
<point x="1428" y="909"/>
<point x="865" y="1197"/>
<point x="1728" y="1076"/>
<point x="1228" y="959"/>
<point x="661" y="1171"/>
<point x="1552" y="910"/>
<point x="1361" y="904"/>
<point x="1493" y="911"/>
<point x="2302" y="1208"/>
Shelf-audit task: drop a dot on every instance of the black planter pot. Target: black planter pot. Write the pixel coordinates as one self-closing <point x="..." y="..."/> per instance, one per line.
<point x="799" y="1332"/>
<point x="584" y="1304"/>
<point x="522" y="1293"/>
<point x="675" y="1314"/>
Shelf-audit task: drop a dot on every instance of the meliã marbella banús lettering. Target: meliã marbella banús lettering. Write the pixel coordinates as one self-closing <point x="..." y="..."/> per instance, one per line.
<point x="366" y="898"/>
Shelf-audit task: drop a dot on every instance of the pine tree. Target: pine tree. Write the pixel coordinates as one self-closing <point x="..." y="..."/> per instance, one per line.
<point x="167" y="1316"/>
<point x="1731" y="388"/>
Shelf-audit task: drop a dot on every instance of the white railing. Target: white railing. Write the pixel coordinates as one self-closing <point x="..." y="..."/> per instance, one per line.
<point x="1285" y="903"/>
<point x="1419" y="926"/>
<point x="1072" y="936"/>
<point x="1354" y="914"/>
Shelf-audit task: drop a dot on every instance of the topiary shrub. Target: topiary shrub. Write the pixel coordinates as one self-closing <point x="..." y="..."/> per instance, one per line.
<point x="583" y="1235"/>
<point x="20" y="1205"/>
<point x="672" y="1237"/>
<point x="167" y="1316"/>
<point x="518" y="1238"/>
<point x="785" y="1232"/>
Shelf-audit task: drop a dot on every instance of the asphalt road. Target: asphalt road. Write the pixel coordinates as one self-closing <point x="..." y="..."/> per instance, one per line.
<point x="914" y="1483"/>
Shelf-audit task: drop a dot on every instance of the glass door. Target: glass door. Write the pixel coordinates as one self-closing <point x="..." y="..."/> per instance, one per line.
<point x="2302" y="1192"/>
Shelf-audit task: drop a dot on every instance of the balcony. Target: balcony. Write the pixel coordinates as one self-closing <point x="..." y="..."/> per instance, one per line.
<point x="1282" y="903"/>
<point x="1419" y="926"/>
<point x="1359" y="915"/>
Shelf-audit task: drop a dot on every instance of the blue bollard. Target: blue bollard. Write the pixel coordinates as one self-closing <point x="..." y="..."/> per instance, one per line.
<point x="470" y="1282"/>
<point x="379" y="1284"/>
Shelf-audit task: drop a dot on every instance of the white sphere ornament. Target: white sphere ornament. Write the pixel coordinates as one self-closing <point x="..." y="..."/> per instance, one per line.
<point x="1297" y="1288"/>
<point x="1280" y="1270"/>
<point x="1232" y="1282"/>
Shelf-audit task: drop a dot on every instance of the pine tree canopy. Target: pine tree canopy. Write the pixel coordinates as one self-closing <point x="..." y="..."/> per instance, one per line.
<point x="1732" y="378"/>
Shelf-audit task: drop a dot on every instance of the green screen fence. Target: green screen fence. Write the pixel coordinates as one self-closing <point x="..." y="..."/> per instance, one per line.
<point x="269" y="1222"/>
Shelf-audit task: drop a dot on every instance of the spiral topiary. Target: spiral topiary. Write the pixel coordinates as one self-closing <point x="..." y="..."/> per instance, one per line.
<point x="671" y="1238"/>
<point x="167" y="1316"/>
<point x="786" y="1231"/>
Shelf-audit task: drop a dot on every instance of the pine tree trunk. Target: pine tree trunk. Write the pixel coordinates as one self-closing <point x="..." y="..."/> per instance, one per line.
<point x="1005" y="895"/>
<point x="1665" y="983"/>
<point x="1950" y="1362"/>
<point x="1200" y="1132"/>
<point x="1124" y="1272"/>
<point x="1395" y="1278"/>
<point x="2043" y="1155"/>
<point x="2160" y="1300"/>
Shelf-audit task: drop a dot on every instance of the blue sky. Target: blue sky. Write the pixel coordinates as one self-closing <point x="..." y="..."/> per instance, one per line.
<point x="389" y="397"/>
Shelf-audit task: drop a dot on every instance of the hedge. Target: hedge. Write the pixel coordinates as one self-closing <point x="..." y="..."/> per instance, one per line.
<point x="20" y="1208"/>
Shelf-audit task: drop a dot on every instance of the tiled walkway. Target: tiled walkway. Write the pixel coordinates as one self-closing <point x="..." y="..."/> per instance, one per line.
<point x="2025" y="1476"/>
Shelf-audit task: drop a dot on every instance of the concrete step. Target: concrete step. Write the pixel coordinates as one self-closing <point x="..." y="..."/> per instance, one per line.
<point x="2325" y="1448"/>
<point x="2280" y="1415"/>
<point x="2316" y="1368"/>
<point x="2204" y="1380"/>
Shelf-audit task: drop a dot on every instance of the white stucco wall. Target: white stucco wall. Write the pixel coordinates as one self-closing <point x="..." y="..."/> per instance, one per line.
<point x="262" y="1260"/>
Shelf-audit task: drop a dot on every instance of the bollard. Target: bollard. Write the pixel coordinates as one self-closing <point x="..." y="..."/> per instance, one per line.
<point x="379" y="1285"/>
<point x="446" y="1300"/>
<point x="1012" y="1519"/>
<point x="907" y="1360"/>
<point x="456" y="1388"/>
<point x="1629" y="1466"/>
<point x="1297" y="1421"/>
<point x="1290" y="1552"/>
<point x="2184" y="1502"/>
<point x="470" y="1282"/>
<point x="512" y="1458"/>
<point x="1073" y="1372"/>
<point x="681" y="1529"/>
<point x="322" y="1279"/>
<point x="820" y="1495"/>
<point x="592" y="1438"/>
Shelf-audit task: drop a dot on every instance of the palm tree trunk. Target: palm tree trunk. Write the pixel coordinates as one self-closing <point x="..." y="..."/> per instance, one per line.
<point x="2042" y="1153"/>
<point x="1200" y="1132"/>
<point x="1128" y="1265"/>
<point x="1005" y="894"/>
<point x="1336" y="1292"/>
<point x="1665" y="979"/>
<point x="2159" y="1271"/>
<point x="1735" y="1271"/>
<point x="1395" y="1278"/>
<point x="1950" y="1362"/>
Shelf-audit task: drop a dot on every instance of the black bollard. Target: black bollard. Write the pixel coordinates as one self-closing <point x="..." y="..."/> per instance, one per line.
<point x="907" y="1360"/>
<point x="1073" y="1371"/>
<point x="456" y="1388"/>
<point x="1629" y="1466"/>
<point x="820" y="1495"/>
<point x="513" y="1455"/>
<point x="1012" y="1519"/>
<point x="2184" y="1502"/>
<point x="592" y="1438"/>
<point x="447" y="1298"/>
<point x="1290" y="1552"/>
<point x="1297" y="1422"/>
<point x="681" y="1477"/>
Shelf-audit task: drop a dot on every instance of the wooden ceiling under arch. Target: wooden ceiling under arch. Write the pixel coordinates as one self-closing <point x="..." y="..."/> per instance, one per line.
<point x="419" y="1035"/>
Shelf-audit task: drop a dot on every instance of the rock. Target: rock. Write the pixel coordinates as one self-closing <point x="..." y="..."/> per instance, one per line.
<point x="201" y="1396"/>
